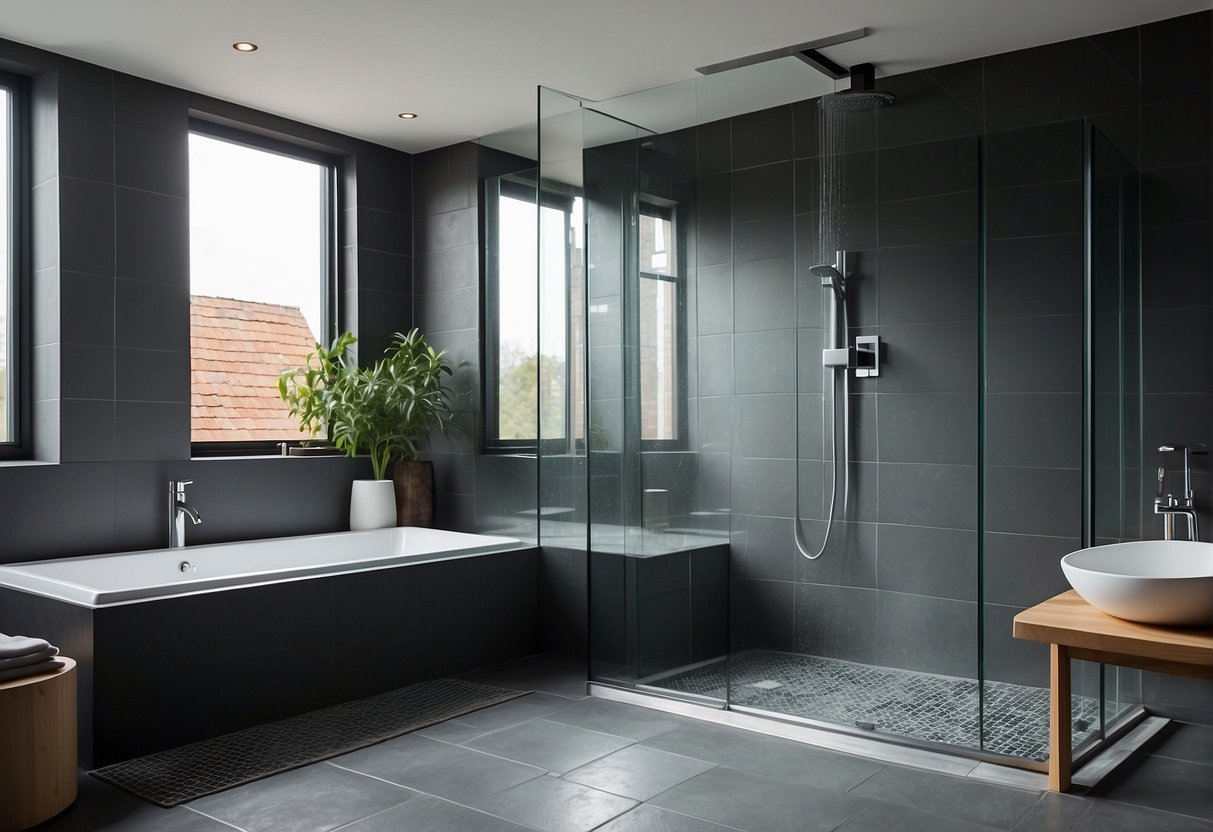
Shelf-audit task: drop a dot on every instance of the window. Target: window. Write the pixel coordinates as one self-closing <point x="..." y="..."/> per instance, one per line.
<point x="262" y="284"/>
<point x="534" y="355"/>
<point x="14" y="186"/>
<point x="662" y="317"/>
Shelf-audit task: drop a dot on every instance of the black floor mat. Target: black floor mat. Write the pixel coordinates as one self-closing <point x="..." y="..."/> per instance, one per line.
<point x="168" y="778"/>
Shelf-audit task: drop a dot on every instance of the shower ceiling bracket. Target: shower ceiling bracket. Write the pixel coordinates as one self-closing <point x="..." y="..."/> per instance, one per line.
<point x="807" y="52"/>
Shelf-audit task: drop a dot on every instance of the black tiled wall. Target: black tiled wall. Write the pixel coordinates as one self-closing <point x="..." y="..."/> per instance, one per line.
<point x="111" y="319"/>
<point x="899" y="584"/>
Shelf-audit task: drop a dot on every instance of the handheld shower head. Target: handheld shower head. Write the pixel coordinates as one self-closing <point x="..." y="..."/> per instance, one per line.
<point x="831" y="277"/>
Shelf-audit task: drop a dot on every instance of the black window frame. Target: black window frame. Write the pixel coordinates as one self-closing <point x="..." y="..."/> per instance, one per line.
<point x="19" y="324"/>
<point x="667" y="210"/>
<point x="330" y="310"/>
<point x="520" y="186"/>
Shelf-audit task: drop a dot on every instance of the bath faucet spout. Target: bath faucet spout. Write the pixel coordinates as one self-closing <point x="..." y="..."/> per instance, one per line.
<point x="1167" y="505"/>
<point x="179" y="509"/>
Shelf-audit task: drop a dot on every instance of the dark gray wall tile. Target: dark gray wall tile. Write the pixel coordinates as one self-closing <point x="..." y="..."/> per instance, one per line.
<point x="941" y="563"/>
<point x="925" y="284"/>
<point x="1024" y="570"/>
<point x="152" y="237"/>
<point x="85" y="149"/>
<point x="928" y="168"/>
<point x="1042" y="501"/>
<point x="932" y="219"/>
<point x="86" y="226"/>
<point x="929" y="495"/>
<point x="930" y="635"/>
<point x="837" y="622"/>
<point x="931" y="427"/>
<point x="762" y="295"/>
<point x="1034" y="430"/>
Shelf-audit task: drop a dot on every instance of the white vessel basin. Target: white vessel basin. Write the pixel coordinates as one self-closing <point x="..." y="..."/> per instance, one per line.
<point x="1152" y="581"/>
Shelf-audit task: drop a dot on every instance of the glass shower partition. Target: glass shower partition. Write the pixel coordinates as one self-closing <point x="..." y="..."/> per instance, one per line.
<point x="713" y="425"/>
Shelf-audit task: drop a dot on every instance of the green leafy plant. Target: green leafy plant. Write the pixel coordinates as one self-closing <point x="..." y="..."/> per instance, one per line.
<point x="384" y="410"/>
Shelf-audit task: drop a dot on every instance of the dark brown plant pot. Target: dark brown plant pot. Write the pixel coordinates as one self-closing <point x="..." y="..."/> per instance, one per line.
<point x="414" y="493"/>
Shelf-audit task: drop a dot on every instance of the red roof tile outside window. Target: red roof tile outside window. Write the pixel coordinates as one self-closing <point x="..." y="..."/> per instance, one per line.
<point x="237" y="350"/>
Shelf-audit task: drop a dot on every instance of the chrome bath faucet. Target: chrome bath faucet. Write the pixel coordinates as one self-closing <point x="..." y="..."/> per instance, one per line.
<point x="1170" y="506"/>
<point x="178" y="510"/>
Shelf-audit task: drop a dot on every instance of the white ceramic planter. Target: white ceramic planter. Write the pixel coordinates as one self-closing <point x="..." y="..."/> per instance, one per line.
<point x="372" y="505"/>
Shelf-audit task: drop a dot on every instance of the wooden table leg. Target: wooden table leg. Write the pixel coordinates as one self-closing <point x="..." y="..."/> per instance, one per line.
<point x="1059" y="718"/>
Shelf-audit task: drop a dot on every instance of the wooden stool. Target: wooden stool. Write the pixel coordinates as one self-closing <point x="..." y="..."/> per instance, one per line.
<point x="37" y="747"/>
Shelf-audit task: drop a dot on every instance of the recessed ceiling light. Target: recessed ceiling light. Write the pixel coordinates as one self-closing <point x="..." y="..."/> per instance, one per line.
<point x="406" y="116"/>
<point x="244" y="46"/>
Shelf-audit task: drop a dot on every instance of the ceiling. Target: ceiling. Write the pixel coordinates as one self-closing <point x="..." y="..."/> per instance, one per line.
<point x="470" y="67"/>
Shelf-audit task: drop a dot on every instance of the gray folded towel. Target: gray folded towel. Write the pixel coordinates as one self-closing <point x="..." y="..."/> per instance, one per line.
<point x="15" y="646"/>
<point x="32" y="658"/>
<point x="30" y="670"/>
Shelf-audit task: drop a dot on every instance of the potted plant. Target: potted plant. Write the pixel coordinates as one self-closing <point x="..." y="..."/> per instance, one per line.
<point x="385" y="411"/>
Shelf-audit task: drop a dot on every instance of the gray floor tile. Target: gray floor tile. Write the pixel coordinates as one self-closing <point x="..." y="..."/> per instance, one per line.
<point x="759" y="804"/>
<point x="617" y="718"/>
<point x="549" y="673"/>
<point x="954" y="797"/>
<point x="887" y="817"/>
<point x="101" y="806"/>
<point x="648" y="818"/>
<point x="452" y="731"/>
<point x="311" y="799"/>
<point x="1164" y="783"/>
<point x="555" y="805"/>
<point x="638" y="772"/>
<point x="769" y="756"/>
<point x="1109" y="816"/>
<point x="449" y="771"/>
<point x="515" y="711"/>
<point x="432" y="814"/>
<point x="1053" y="813"/>
<point x="550" y="745"/>
<point x="1187" y="741"/>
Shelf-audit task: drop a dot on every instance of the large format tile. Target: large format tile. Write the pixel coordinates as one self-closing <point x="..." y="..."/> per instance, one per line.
<point x="1178" y="786"/>
<point x="648" y="818"/>
<point x="545" y="673"/>
<point x="616" y="718"/>
<point x="438" y="768"/>
<point x="555" y="805"/>
<point x="553" y="746"/>
<point x="770" y="756"/>
<point x="885" y="817"/>
<point x="1187" y="741"/>
<point x="432" y="814"/>
<point x="1109" y="816"/>
<point x="755" y="803"/>
<point x="514" y="712"/>
<point x="1053" y="813"/>
<point x="951" y="796"/>
<point x="638" y="772"/>
<point x="311" y="799"/>
<point x="101" y="806"/>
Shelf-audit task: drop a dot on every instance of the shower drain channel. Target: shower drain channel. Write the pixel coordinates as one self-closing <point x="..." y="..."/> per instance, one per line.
<point x="941" y="709"/>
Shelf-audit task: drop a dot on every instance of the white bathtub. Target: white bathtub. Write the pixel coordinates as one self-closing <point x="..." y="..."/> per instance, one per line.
<point x="103" y="580"/>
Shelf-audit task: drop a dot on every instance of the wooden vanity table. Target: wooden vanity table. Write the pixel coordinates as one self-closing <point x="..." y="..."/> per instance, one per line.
<point x="1074" y="629"/>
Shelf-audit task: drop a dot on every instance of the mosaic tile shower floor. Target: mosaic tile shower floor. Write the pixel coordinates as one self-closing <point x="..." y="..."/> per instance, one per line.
<point x="940" y="709"/>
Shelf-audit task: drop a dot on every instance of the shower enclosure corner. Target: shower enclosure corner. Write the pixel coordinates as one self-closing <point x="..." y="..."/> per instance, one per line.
<point x="799" y="366"/>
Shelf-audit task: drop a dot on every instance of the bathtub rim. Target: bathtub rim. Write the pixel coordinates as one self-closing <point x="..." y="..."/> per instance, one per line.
<point x="79" y="595"/>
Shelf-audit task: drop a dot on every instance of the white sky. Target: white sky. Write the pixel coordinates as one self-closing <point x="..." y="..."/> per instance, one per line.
<point x="517" y="274"/>
<point x="256" y="226"/>
<point x="4" y="154"/>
